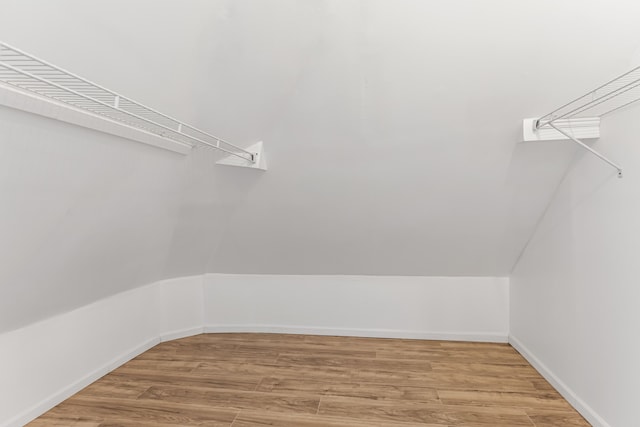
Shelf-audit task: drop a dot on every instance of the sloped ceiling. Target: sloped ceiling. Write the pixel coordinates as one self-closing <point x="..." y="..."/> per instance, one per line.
<point x="391" y="127"/>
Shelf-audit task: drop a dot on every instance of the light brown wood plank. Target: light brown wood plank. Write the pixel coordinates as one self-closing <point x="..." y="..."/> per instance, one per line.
<point x="354" y="363"/>
<point x="160" y="365"/>
<point x="111" y="386"/>
<point x="211" y="356"/>
<point x="510" y="399"/>
<point x="368" y="391"/>
<point x="422" y="412"/>
<point x="486" y="369"/>
<point x="64" y="421"/>
<point x="144" y="379"/>
<point x="260" y="419"/>
<point x="129" y="423"/>
<point x="232" y="399"/>
<point x="552" y="418"/>
<point x="260" y="347"/>
<point x="137" y="411"/>
<point x="443" y="381"/>
<point x="471" y="355"/>
<point x="266" y="369"/>
<point x="542" y="384"/>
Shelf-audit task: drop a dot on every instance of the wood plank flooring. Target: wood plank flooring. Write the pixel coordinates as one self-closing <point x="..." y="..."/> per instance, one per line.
<point x="251" y="380"/>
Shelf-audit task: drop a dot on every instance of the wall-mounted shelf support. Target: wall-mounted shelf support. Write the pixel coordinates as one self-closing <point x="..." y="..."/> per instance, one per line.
<point x="259" y="163"/>
<point x="27" y="73"/>
<point x="569" y="122"/>
<point x="589" y="149"/>
<point x="582" y="128"/>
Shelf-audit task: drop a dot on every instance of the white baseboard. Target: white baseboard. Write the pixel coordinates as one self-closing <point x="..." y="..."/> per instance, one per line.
<point x="585" y="410"/>
<point x="176" y="335"/>
<point x="435" y="308"/>
<point x="146" y="317"/>
<point x="72" y="389"/>
<point x="369" y="333"/>
<point x="53" y="400"/>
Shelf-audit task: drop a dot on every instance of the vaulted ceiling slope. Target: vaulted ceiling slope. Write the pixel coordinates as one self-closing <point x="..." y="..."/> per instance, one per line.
<point x="391" y="128"/>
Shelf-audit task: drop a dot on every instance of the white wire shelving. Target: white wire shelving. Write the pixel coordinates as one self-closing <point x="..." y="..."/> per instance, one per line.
<point x="612" y="96"/>
<point x="615" y="95"/>
<point x="26" y="72"/>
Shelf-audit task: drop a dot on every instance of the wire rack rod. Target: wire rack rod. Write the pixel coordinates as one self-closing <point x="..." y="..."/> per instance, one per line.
<point x="591" y="150"/>
<point x="620" y="107"/>
<point x="25" y="71"/>
<point x="614" y="95"/>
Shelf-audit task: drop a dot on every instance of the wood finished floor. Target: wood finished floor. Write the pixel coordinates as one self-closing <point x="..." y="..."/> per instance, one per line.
<point x="250" y="380"/>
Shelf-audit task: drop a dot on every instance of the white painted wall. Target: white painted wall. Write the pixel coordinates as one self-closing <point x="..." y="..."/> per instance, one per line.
<point x="83" y="215"/>
<point x="574" y="293"/>
<point x="44" y="363"/>
<point x="457" y="308"/>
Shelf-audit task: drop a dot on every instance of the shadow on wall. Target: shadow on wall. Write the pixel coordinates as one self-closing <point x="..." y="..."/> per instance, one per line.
<point x="550" y="162"/>
<point x="83" y="215"/>
<point x="536" y="171"/>
<point x="212" y="196"/>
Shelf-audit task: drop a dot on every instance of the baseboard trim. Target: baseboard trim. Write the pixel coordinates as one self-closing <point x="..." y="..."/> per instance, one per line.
<point x="580" y="405"/>
<point x="58" y="397"/>
<point x="182" y="333"/>
<point x="369" y="333"/>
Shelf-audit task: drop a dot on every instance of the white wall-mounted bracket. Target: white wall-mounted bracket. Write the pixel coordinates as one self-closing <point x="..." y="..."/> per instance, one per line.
<point x="567" y="129"/>
<point x="259" y="160"/>
<point x="583" y="128"/>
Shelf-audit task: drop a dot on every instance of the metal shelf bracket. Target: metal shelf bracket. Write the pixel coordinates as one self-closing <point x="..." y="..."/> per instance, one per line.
<point x="589" y="149"/>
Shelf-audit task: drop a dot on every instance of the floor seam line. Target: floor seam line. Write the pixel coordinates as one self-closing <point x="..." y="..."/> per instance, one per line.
<point x="234" y="419"/>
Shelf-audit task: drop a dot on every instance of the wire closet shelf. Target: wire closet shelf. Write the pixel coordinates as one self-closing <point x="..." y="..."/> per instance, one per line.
<point x="26" y="72"/>
<point x="612" y="96"/>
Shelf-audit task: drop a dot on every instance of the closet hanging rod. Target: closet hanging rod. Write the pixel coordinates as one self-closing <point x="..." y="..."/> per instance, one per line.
<point x="591" y="150"/>
<point x="611" y="96"/>
<point x="27" y="72"/>
<point x="569" y="120"/>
